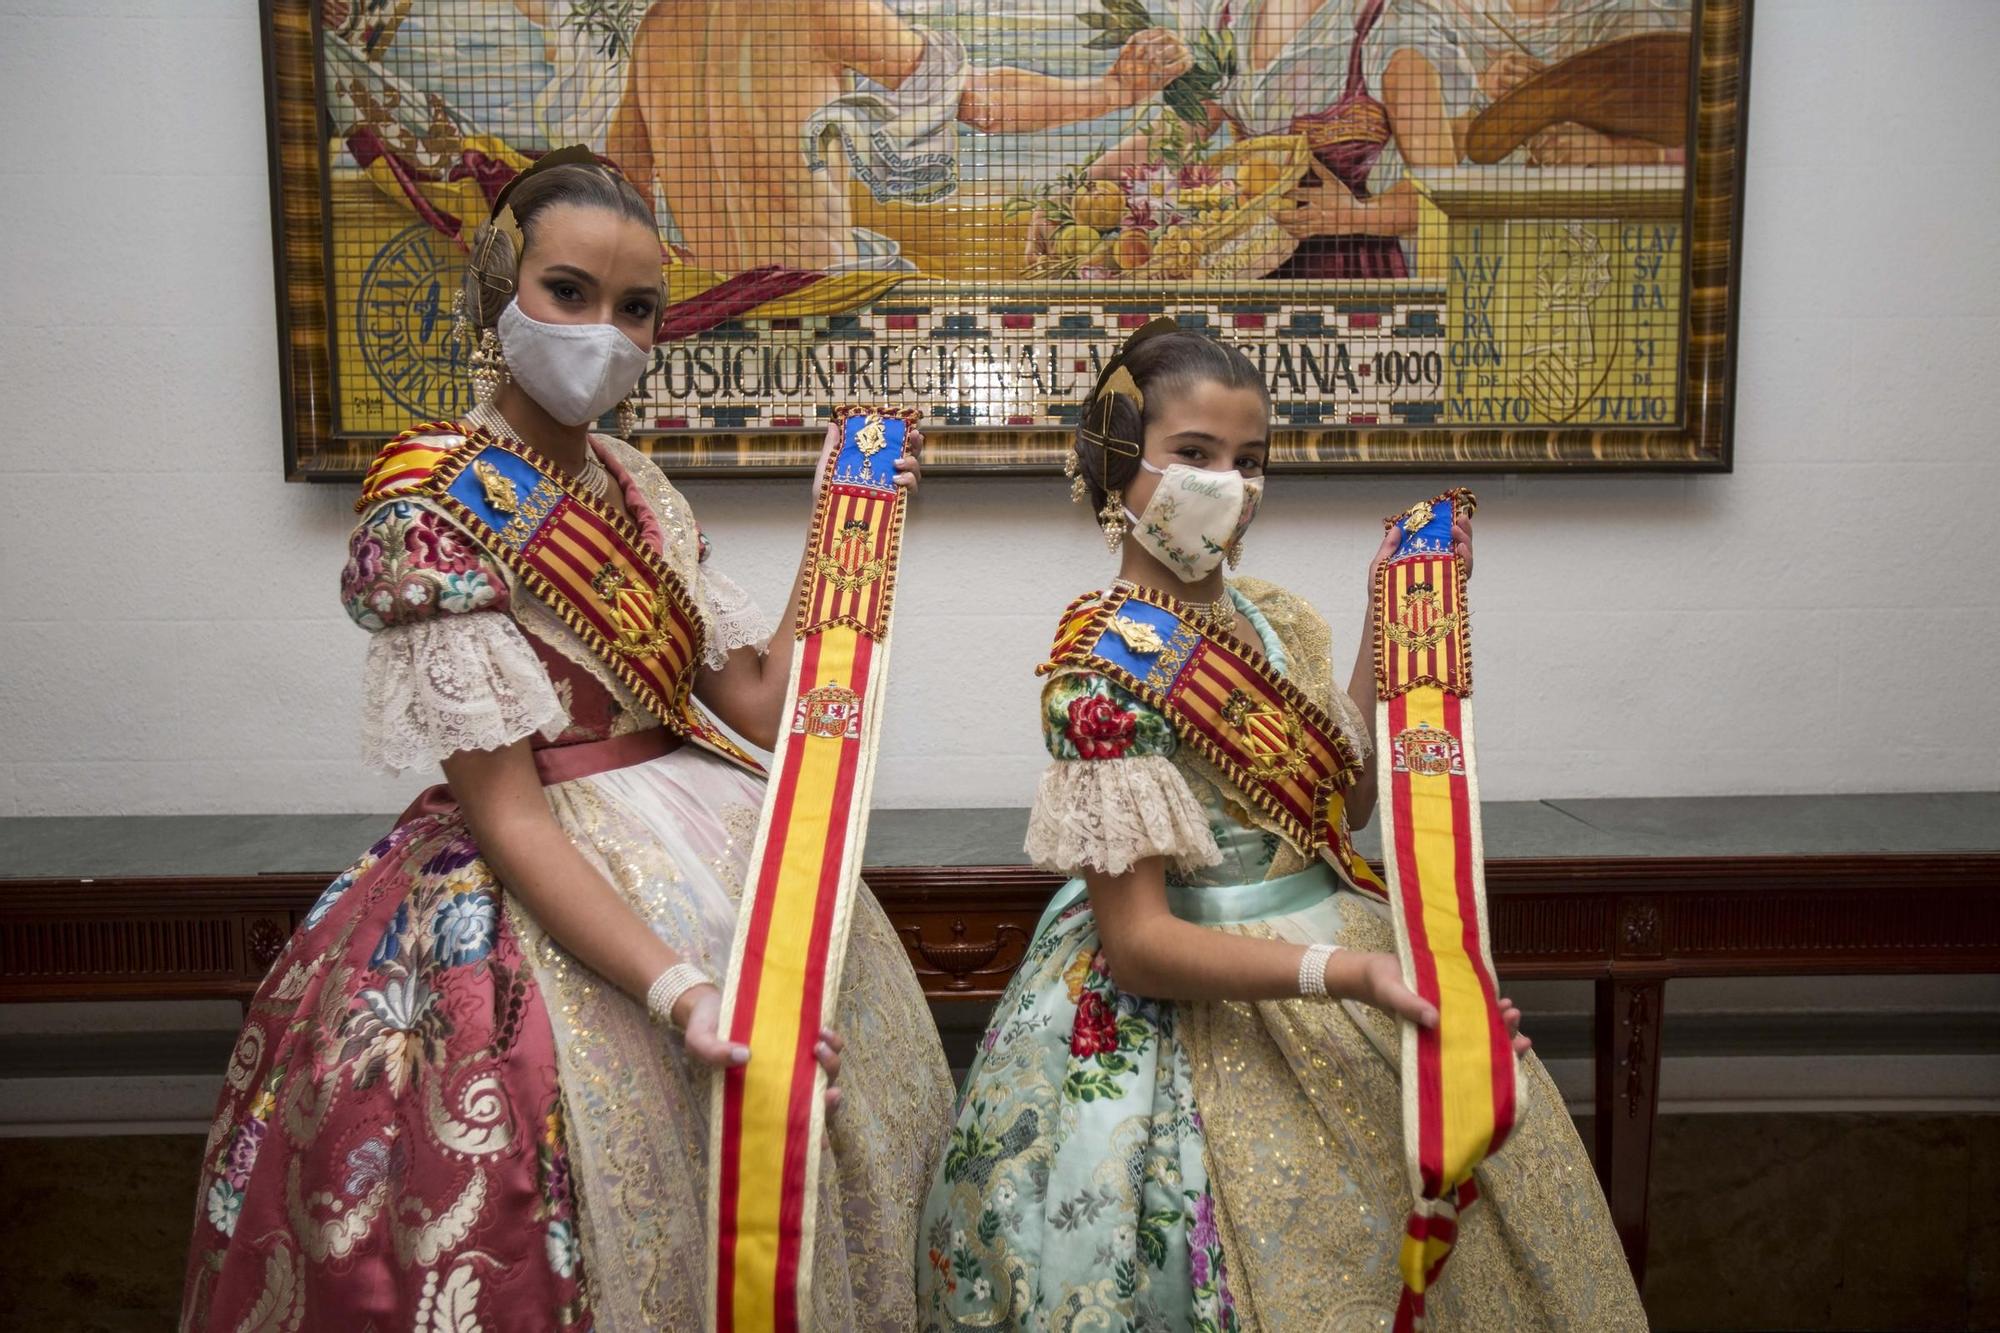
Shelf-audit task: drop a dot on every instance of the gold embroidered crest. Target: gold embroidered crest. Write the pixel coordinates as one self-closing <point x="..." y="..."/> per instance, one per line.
<point x="1139" y="636"/>
<point x="1271" y="736"/>
<point x="1418" y="624"/>
<point x="641" y="620"/>
<point x="500" y="492"/>
<point x="872" y="438"/>
<point x="847" y="565"/>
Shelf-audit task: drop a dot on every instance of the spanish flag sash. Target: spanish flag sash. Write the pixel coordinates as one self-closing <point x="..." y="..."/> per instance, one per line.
<point x="784" y="966"/>
<point x="585" y="561"/>
<point x="1283" y="751"/>
<point x="1460" y="1089"/>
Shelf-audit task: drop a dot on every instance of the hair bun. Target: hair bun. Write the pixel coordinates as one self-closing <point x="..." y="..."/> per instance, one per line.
<point x="572" y="175"/>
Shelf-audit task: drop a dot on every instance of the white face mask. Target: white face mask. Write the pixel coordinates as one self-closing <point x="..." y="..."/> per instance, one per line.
<point x="1194" y="517"/>
<point x="577" y="372"/>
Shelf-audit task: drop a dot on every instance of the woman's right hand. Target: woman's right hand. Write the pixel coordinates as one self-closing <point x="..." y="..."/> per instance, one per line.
<point x="1376" y="979"/>
<point x="697" y="1015"/>
<point x="1326" y="209"/>
<point x="1508" y="71"/>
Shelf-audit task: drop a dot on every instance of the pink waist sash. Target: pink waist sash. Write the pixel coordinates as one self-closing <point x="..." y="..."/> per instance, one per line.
<point x="563" y="763"/>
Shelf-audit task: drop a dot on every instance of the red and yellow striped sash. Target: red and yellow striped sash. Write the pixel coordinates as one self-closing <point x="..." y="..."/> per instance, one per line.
<point x="1282" y="751"/>
<point x="1460" y="1079"/>
<point x="587" y="563"/>
<point x="784" y="966"/>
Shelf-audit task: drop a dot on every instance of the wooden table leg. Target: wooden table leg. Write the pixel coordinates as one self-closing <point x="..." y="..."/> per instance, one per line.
<point x="1628" y="1084"/>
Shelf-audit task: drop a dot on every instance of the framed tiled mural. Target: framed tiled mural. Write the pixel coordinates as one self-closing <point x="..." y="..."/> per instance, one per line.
<point x="1457" y="234"/>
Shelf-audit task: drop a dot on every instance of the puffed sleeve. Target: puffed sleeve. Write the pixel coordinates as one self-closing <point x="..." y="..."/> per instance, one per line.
<point x="447" y="669"/>
<point x="734" y="620"/>
<point x="1348" y="714"/>
<point x="1113" y="796"/>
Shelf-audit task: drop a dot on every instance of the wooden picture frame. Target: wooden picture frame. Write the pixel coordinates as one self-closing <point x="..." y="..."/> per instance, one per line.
<point x="1653" y="250"/>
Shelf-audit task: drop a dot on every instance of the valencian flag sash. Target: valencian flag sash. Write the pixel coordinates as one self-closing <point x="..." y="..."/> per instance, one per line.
<point x="1460" y="1079"/>
<point x="1283" y="751"/>
<point x="585" y="561"/>
<point x="791" y="934"/>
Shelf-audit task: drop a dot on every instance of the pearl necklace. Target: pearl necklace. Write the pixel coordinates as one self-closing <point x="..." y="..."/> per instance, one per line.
<point x="595" y="478"/>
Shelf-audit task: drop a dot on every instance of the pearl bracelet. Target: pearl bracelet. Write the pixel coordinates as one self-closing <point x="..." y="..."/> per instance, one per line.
<point x="669" y="986"/>
<point x="1312" y="969"/>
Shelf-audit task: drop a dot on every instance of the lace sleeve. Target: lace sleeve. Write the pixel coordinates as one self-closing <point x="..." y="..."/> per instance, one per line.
<point x="1107" y="815"/>
<point x="1113" y="796"/>
<point x="1348" y="714"/>
<point x="436" y="686"/>
<point x="734" y="621"/>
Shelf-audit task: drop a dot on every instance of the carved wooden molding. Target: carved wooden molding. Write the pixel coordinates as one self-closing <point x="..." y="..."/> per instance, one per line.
<point x="965" y="927"/>
<point x="1638" y="1030"/>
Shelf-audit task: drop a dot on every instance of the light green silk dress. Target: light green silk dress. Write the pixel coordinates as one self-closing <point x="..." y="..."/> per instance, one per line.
<point x="1121" y="1163"/>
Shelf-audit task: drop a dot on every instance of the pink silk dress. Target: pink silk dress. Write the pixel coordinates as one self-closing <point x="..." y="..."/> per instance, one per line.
<point x="435" y="1117"/>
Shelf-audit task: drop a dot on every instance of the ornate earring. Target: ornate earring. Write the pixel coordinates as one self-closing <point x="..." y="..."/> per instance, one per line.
<point x="1079" y="489"/>
<point x="1112" y="519"/>
<point x="1235" y="554"/>
<point x="489" y="368"/>
<point x="628" y="420"/>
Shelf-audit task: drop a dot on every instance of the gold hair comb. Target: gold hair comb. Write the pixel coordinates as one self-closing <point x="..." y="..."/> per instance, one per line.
<point x="502" y="217"/>
<point x="1115" y="381"/>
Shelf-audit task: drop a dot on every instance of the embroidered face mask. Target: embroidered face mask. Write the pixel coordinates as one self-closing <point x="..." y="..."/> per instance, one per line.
<point x="577" y="372"/>
<point x="1195" y="516"/>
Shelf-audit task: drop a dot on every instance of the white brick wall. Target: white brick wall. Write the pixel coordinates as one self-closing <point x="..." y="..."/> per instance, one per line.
<point x="170" y="642"/>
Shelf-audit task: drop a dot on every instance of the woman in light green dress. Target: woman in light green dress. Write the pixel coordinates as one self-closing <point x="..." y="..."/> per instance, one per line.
<point x="1159" y="1132"/>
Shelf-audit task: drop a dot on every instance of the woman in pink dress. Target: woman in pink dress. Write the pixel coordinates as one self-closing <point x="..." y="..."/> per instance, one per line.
<point x="472" y="1092"/>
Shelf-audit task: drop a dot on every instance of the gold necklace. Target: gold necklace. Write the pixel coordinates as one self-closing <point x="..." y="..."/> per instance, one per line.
<point x="1216" y="617"/>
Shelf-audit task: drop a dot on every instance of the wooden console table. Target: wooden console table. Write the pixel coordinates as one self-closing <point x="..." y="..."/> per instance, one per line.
<point x="1626" y="894"/>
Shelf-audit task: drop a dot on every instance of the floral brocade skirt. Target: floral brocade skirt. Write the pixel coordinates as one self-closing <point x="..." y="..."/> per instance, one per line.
<point x="1124" y="1164"/>
<point x="435" y="1118"/>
